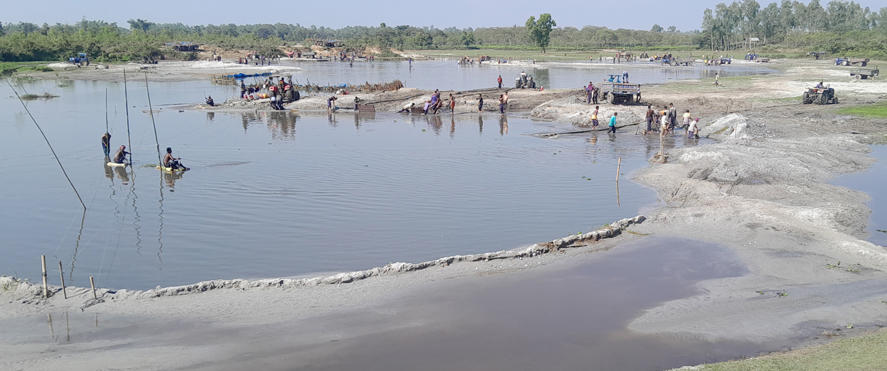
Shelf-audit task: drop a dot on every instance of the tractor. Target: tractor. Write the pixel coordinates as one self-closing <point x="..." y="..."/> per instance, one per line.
<point x="819" y="95"/>
<point x="80" y="60"/>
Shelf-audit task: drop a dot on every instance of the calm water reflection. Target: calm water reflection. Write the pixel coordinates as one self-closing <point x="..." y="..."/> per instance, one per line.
<point x="278" y="194"/>
<point x="448" y="75"/>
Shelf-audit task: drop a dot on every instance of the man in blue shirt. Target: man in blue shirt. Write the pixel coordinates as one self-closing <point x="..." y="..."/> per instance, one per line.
<point x="613" y="123"/>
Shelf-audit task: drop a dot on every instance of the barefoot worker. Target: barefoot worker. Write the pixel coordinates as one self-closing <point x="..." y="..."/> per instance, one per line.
<point x="120" y="156"/>
<point x="613" y="123"/>
<point x="106" y="143"/>
<point x="594" y="121"/>
<point x="172" y="162"/>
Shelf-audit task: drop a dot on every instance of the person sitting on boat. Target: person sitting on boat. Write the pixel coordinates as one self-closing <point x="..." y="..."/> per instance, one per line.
<point x="120" y="156"/>
<point x="209" y="101"/>
<point x="171" y="162"/>
<point x="106" y="143"/>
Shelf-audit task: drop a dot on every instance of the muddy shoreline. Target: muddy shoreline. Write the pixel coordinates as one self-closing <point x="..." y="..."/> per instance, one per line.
<point x="762" y="190"/>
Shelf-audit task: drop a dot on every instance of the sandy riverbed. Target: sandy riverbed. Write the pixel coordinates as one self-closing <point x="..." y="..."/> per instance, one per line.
<point x="762" y="191"/>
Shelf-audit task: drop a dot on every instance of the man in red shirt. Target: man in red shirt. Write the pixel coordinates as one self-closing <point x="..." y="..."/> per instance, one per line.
<point x="499" y="80"/>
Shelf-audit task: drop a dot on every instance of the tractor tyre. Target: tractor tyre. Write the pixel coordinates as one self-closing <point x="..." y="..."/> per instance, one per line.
<point x="823" y="99"/>
<point x="846" y="63"/>
<point x="806" y="98"/>
<point x="835" y="100"/>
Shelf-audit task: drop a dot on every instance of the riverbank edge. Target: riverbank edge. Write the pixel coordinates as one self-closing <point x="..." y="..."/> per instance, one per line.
<point x="31" y="293"/>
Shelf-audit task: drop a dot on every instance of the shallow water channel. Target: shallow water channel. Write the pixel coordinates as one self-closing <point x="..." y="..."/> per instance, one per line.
<point x="283" y="194"/>
<point x="571" y="318"/>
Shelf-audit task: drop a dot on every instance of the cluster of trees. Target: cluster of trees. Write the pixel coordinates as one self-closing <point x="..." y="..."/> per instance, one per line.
<point x="840" y="27"/>
<point x="734" y="26"/>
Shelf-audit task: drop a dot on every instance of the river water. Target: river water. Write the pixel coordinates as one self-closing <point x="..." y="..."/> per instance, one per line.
<point x="448" y="75"/>
<point x="872" y="183"/>
<point x="278" y="194"/>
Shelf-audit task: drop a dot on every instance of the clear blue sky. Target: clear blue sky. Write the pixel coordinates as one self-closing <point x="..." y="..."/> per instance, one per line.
<point x="632" y="14"/>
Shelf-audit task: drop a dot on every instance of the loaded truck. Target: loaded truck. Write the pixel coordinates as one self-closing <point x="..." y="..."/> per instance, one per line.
<point x="614" y="92"/>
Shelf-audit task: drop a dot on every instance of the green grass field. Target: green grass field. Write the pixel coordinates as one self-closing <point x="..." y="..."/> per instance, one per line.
<point x="873" y="110"/>
<point x="8" y="68"/>
<point x="863" y="353"/>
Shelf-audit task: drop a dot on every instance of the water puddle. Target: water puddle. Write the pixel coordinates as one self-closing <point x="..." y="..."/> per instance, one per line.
<point x="566" y="319"/>
<point x="872" y="183"/>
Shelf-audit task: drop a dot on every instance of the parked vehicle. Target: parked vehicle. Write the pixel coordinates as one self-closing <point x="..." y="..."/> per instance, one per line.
<point x="865" y="73"/>
<point x="614" y="92"/>
<point x="851" y="61"/>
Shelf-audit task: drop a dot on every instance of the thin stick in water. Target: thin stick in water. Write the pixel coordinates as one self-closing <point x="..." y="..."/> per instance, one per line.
<point x="45" y="288"/>
<point x="126" y="100"/>
<point x="106" y="111"/>
<point x="618" y="169"/>
<point x="62" y="274"/>
<point x="92" y="283"/>
<point x="47" y="143"/>
<point x="151" y="112"/>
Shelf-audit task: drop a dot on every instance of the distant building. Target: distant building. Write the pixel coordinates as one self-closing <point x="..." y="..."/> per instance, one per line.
<point x="184" y="46"/>
<point x="326" y="43"/>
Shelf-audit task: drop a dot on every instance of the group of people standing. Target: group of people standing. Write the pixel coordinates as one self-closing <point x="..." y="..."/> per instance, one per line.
<point x="668" y="121"/>
<point x="280" y="92"/>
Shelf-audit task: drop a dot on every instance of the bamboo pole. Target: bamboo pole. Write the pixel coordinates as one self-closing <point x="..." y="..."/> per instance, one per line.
<point x="618" y="169"/>
<point x="151" y="113"/>
<point x="92" y="283"/>
<point x="45" y="287"/>
<point x="62" y="275"/>
<point x="617" y="195"/>
<point x="126" y="102"/>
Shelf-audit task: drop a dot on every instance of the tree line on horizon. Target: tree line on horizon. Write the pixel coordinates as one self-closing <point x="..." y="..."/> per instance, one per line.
<point x="840" y="27"/>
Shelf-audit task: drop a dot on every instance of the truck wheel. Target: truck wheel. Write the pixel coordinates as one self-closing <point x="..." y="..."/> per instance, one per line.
<point x="864" y="77"/>
<point x="864" y="63"/>
<point x="611" y="99"/>
<point x="857" y="76"/>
